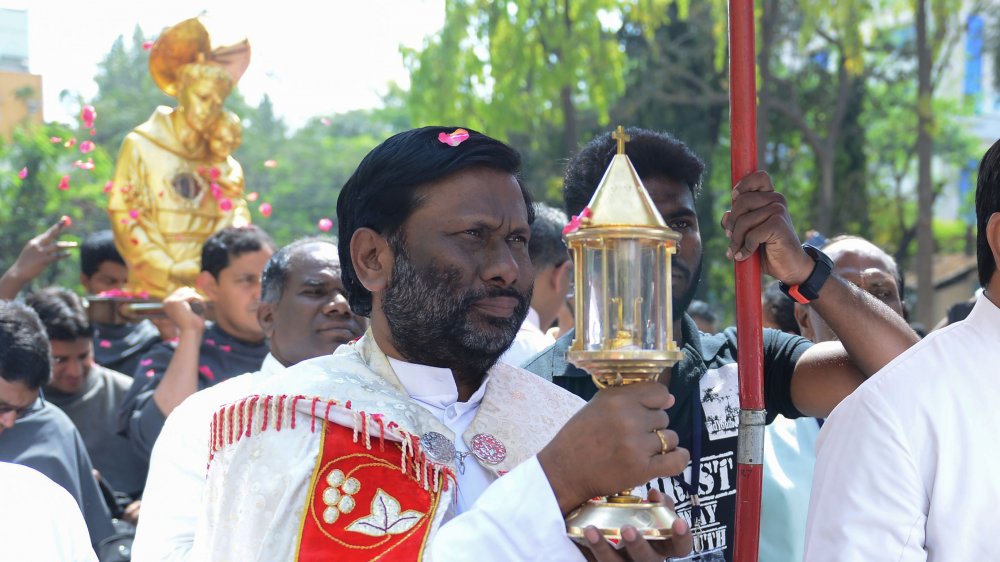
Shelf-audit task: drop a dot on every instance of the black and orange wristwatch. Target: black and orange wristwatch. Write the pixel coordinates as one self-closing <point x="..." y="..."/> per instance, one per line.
<point x="808" y="290"/>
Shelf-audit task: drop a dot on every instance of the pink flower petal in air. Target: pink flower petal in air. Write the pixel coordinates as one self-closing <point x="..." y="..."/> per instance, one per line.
<point x="87" y="146"/>
<point x="93" y="132"/>
<point x="265" y="209"/>
<point x="147" y="45"/>
<point x="134" y="213"/>
<point x="64" y="183"/>
<point x="270" y="163"/>
<point x="207" y="372"/>
<point x="325" y="224"/>
<point x="226" y="348"/>
<point x="325" y="121"/>
<point x="68" y="222"/>
<point x="150" y="374"/>
<point x="454" y="138"/>
<point x="108" y="186"/>
<point x="55" y="140"/>
<point x="146" y="362"/>
<point x="70" y="143"/>
<point x="88" y="165"/>
<point x="226" y="204"/>
<point x="23" y="173"/>
<point x="88" y="115"/>
<point x="104" y="343"/>
<point x="252" y="196"/>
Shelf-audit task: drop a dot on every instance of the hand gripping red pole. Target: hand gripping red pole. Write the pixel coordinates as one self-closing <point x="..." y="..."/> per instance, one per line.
<point x="750" y="340"/>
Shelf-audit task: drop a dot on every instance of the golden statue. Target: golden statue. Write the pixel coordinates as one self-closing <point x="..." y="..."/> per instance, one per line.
<point x="176" y="182"/>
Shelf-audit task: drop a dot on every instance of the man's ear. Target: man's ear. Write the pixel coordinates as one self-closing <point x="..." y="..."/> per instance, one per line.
<point x="372" y="259"/>
<point x="804" y="321"/>
<point x="265" y="317"/>
<point x="993" y="238"/>
<point x="560" y="277"/>
<point x="207" y="284"/>
<point x="85" y="281"/>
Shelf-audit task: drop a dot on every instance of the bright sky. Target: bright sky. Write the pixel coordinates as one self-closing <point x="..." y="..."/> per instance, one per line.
<point x="313" y="58"/>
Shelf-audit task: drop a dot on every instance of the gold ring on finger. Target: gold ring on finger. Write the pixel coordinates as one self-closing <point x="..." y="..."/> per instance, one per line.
<point x="663" y="442"/>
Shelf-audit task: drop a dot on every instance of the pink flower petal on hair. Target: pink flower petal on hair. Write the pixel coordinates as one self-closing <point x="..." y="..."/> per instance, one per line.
<point x="325" y="224"/>
<point x="86" y="146"/>
<point x="454" y="138"/>
<point x="147" y="45"/>
<point x="146" y="362"/>
<point x="70" y="143"/>
<point x="104" y="343"/>
<point x="226" y="204"/>
<point x="88" y="115"/>
<point x="23" y="173"/>
<point x="265" y="209"/>
<point x="270" y="163"/>
<point x="207" y="372"/>
<point x="252" y="196"/>
<point x="64" y="183"/>
<point x="108" y="186"/>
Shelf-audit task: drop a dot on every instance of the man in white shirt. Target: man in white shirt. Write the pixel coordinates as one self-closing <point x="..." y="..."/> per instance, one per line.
<point x="906" y="466"/>
<point x="358" y="454"/>
<point x="550" y="260"/>
<point x="304" y="314"/>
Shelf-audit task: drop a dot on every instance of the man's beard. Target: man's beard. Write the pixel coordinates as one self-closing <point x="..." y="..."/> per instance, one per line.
<point x="682" y="301"/>
<point x="432" y="322"/>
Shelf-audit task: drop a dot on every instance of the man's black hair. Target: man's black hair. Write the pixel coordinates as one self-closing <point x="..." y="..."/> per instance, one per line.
<point x="275" y="276"/>
<point x="987" y="203"/>
<point x="780" y="308"/>
<point x="62" y="313"/>
<point x="385" y="189"/>
<point x="97" y="248"/>
<point x="25" y="355"/>
<point x="703" y="310"/>
<point x="654" y="155"/>
<point x="231" y="243"/>
<point x="546" y="247"/>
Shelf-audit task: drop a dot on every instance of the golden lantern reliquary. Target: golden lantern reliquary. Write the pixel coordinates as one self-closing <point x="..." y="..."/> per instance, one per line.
<point x="622" y="254"/>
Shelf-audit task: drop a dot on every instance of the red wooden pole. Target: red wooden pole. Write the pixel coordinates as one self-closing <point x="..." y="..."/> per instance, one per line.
<point x="750" y="340"/>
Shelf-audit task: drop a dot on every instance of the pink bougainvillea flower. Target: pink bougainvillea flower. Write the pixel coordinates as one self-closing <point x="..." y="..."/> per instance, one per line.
<point x="108" y="186"/>
<point x="88" y="115"/>
<point x="576" y="221"/>
<point x="55" y="140"/>
<point x="70" y="143"/>
<point x="325" y="224"/>
<point x="325" y="121"/>
<point x="455" y="138"/>
<point x="147" y="45"/>
<point x="226" y="204"/>
<point x="265" y="209"/>
<point x="214" y="173"/>
<point x="134" y="213"/>
<point x="87" y="146"/>
<point x="64" y="183"/>
<point x="207" y="371"/>
<point x="104" y="343"/>
<point x="23" y="173"/>
<point x="88" y="165"/>
<point x="252" y="196"/>
<point x="67" y="222"/>
<point x="270" y="163"/>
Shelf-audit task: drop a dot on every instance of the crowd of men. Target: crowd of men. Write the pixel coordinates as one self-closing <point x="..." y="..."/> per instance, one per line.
<point x="404" y="392"/>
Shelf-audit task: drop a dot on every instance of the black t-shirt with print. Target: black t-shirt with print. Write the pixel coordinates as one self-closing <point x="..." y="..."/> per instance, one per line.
<point x="708" y="371"/>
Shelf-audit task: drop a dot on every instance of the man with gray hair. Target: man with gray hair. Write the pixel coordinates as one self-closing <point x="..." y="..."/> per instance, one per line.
<point x="304" y="314"/>
<point x="550" y="260"/>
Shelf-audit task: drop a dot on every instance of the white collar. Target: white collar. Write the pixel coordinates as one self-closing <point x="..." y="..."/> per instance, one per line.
<point x="532" y="319"/>
<point x="434" y="386"/>
<point x="271" y="365"/>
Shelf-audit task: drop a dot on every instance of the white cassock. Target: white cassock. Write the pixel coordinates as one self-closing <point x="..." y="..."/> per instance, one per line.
<point x="341" y="457"/>
<point x="906" y="467"/>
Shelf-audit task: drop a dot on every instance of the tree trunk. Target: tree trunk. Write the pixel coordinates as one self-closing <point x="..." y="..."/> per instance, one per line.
<point x="824" y="216"/>
<point x="768" y="24"/>
<point x="925" y="189"/>
<point x="570" y="134"/>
